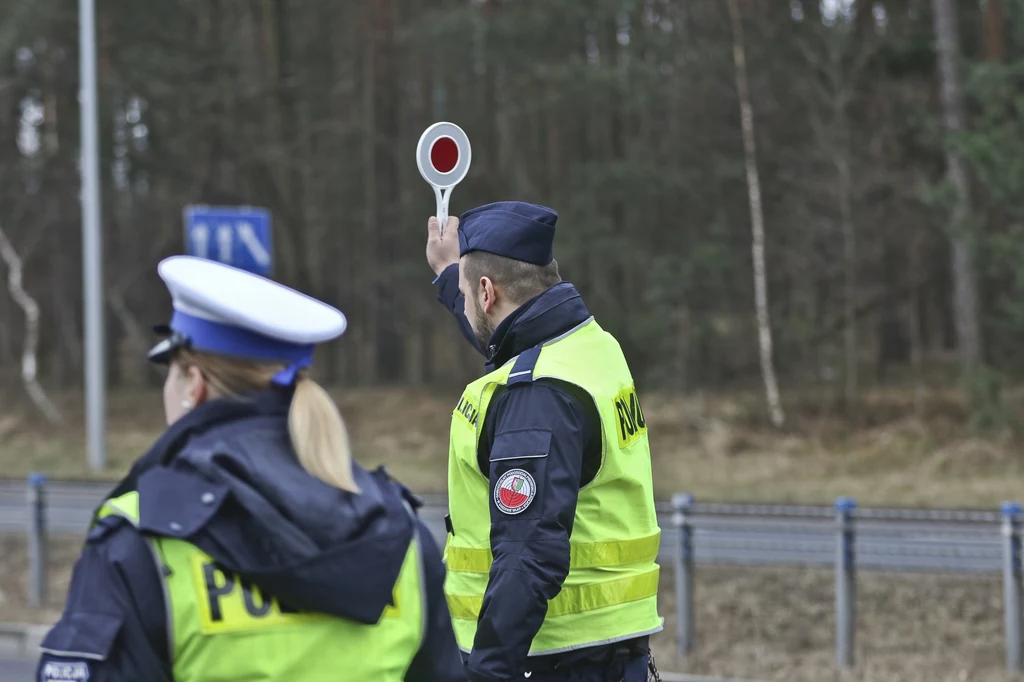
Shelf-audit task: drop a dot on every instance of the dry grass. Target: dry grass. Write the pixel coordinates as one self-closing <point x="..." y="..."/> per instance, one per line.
<point x="768" y="624"/>
<point x="779" y="624"/>
<point x="14" y="586"/>
<point x="719" y="448"/>
<point x="722" y="449"/>
<point x="404" y="429"/>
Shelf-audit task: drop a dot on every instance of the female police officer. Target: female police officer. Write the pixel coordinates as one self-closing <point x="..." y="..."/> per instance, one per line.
<point x="245" y="544"/>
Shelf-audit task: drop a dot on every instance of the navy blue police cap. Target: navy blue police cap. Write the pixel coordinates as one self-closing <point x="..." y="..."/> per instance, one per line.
<point x="513" y="229"/>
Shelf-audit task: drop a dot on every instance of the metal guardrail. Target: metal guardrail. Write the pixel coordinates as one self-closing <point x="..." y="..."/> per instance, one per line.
<point x="844" y="537"/>
<point x="825" y="512"/>
<point x="873" y="539"/>
<point x="932" y="540"/>
<point x="682" y="677"/>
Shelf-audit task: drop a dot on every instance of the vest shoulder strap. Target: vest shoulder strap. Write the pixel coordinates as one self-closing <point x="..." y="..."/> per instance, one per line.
<point x="126" y="506"/>
<point x="522" y="370"/>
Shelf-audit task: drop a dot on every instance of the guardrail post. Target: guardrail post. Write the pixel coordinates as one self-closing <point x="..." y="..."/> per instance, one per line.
<point x="846" y="587"/>
<point x="682" y="505"/>
<point x="37" y="561"/>
<point x="1011" y="512"/>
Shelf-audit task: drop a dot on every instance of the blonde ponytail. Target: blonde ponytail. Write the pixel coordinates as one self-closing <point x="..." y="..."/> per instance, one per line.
<point x="317" y="431"/>
<point x="319" y="435"/>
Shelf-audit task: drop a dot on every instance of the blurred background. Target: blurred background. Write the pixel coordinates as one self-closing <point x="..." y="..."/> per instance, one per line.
<point x="622" y="115"/>
<point x="881" y="166"/>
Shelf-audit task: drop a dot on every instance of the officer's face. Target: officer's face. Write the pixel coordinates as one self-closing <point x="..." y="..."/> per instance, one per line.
<point x="183" y="390"/>
<point x="483" y="327"/>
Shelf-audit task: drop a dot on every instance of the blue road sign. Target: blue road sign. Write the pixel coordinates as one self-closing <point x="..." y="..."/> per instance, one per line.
<point x="233" y="235"/>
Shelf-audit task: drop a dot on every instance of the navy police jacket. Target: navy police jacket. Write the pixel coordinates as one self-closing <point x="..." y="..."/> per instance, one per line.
<point x="515" y="604"/>
<point x="269" y="512"/>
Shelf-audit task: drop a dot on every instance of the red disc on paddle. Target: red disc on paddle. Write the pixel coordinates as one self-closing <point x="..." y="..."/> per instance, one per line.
<point x="444" y="154"/>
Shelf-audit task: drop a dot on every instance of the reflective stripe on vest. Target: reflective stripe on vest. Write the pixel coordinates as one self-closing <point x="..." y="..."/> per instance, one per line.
<point x="576" y="599"/>
<point x="222" y="627"/>
<point x="583" y="555"/>
<point x="610" y="593"/>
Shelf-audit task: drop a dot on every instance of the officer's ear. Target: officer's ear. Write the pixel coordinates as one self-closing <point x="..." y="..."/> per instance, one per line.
<point x="198" y="388"/>
<point x="488" y="295"/>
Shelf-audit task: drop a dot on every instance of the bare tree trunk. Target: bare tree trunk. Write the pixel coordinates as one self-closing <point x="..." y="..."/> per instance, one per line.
<point x="764" y="330"/>
<point x="346" y="108"/>
<point x="385" y="46"/>
<point x="914" y="324"/>
<point x="366" y="238"/>
<point x="6" y="340"/>
<point x="995" y="31"/>
<point x="965" y="296"/>
<point x="845" y="191"/>
<point x="28" y="357"/>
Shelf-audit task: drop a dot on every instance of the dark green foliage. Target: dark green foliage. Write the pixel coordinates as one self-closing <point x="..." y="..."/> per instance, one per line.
<point x="621" y="114"/>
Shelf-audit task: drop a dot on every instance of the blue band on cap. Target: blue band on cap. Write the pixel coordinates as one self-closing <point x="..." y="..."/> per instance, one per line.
<point x="224" y="339"/>
<point x="286" y="377"/>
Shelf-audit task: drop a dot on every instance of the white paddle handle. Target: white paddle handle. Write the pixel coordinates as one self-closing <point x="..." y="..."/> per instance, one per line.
<point x="442" y="198"/>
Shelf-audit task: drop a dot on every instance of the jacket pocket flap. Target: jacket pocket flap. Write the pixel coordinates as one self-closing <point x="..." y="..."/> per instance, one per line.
<point x="521" y="444"/>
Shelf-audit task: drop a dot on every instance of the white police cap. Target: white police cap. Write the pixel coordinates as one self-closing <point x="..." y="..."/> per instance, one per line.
<point x="224" y="310"/>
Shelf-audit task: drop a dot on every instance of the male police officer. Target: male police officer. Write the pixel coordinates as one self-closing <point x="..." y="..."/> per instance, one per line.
<point x="552" y="531"/>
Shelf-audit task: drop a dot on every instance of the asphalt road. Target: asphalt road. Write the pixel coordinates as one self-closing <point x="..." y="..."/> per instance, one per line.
<point x="901" y="540"/>
<point x="23" y="671"/>
<point x="16" y="670"/>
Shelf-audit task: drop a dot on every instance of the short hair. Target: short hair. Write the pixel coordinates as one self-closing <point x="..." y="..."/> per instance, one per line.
<point x="518" y="280"/>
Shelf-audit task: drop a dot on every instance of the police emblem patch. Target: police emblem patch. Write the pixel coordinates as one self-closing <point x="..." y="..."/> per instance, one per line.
<point x="515" y="491"/>
<point x="64" y="671"/>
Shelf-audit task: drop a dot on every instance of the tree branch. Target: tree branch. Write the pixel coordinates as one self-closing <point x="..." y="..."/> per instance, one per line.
<point x="28" y="304"/>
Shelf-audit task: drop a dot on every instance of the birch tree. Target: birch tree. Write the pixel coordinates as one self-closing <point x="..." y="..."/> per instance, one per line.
<point x="764" y="329"/>
<point x="965" y="287"/>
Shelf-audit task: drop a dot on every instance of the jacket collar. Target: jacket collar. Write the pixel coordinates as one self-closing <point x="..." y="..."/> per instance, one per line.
<point x="200" y="420"/>
<point x="542" y="318"/>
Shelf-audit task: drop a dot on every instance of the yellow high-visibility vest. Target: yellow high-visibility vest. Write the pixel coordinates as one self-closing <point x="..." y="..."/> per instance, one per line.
<point x="225" y="629"/>
<point x="611" y="591"/>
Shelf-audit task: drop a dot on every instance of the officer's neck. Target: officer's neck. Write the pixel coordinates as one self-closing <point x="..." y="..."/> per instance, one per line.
<point x="502" y="319"/>
<point x="502" y="310"/>
<point x="498" y="322"/>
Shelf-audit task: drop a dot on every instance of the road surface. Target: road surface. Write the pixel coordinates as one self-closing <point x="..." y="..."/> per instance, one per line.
<point x="23" y="671"/>
<point x="18" y="670"/>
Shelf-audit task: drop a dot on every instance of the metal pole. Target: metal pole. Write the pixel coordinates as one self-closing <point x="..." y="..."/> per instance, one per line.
<point x="682" y="504"/>
<point x="37" y="561"/>
<point x="845" y="582"/>
<point x="92" y="243"/>
<point x="1012" y="583"/>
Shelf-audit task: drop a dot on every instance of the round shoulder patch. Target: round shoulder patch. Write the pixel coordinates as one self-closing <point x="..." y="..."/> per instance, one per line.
<point x="515" y="491"/>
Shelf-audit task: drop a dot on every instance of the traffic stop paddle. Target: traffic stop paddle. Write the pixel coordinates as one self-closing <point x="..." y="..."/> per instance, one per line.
<point x="443" y="155"/>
